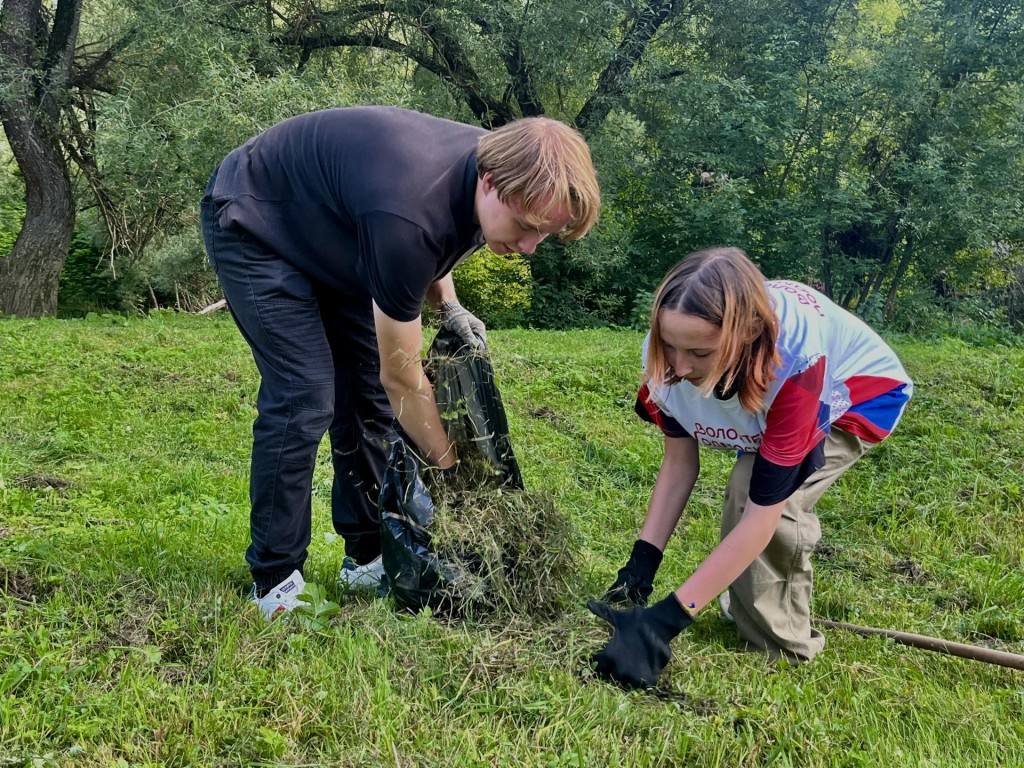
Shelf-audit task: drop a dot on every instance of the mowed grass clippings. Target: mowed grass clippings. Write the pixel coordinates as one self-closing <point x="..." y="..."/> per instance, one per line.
<point x="125" y="638"/>
<point x="513" y="552"/>
<point x="506" y="551"/>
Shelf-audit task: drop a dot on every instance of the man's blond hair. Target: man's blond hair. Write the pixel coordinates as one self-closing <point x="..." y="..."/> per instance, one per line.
<point x="548" y="165"/>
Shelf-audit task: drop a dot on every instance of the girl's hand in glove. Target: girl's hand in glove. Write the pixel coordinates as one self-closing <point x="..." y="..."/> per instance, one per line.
<point x="639" y="648"/>
<point x="635" y="581"/>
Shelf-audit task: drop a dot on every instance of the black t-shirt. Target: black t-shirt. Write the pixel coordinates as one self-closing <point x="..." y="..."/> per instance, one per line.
<point x="367" y="200"/>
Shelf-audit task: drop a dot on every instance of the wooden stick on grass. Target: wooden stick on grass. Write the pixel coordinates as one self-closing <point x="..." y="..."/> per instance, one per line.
<point x="977" y="653"/>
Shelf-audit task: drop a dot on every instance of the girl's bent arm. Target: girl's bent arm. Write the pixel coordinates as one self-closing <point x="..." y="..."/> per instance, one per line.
<point x="732" y="556"/>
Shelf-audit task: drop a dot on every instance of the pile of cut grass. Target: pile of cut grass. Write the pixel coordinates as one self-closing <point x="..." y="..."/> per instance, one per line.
<point x="505" y="551"/>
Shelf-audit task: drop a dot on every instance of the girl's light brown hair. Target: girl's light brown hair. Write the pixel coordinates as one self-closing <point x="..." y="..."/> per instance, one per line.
<point x="723" y="287"/>
<point x="548" y="164"/>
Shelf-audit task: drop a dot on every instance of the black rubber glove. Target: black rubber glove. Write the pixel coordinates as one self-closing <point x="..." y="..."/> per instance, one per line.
<point x="468" y="326"/>
<point x="635" y="581"/>
<point x="639" y="648"/>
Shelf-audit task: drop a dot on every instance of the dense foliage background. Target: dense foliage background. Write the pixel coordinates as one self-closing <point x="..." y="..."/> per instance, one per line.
<point x="870" y="147"/>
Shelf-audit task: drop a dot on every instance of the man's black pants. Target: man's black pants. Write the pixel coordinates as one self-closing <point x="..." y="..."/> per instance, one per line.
<point x="316" y="351"/>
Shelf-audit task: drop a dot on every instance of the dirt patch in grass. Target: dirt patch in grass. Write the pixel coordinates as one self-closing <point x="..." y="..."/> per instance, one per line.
<point x="37" y="481"/>
<point x="545" y="413"/>
<point x="174" y="674"/>
<point x="911" y="571"/>
<point x="126" y="624"/>
<point x="700" y="707"/>
<point x="833" y="558"/>
<point x="19" y="585"/>
<point x="955" y="602"/>
<point x="825" y="551"/>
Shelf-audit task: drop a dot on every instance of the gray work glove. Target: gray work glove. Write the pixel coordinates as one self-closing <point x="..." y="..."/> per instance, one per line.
<point x="460" y="320"/>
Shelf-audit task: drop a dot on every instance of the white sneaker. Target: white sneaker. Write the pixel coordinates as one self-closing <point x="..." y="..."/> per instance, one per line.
<point x="363" y="578"/>
<point x="723" y="606"/>
<point x="281" y="598"/>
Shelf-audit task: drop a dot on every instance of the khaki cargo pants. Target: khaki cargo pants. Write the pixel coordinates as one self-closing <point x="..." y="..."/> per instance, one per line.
<point x="770" y="601"/>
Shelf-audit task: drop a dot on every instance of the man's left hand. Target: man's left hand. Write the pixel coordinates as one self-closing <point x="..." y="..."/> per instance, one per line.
<point x="468" y="326"/>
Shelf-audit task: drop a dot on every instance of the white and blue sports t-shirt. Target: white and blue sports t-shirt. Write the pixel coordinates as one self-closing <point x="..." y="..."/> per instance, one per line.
<point x="834" y="370"/>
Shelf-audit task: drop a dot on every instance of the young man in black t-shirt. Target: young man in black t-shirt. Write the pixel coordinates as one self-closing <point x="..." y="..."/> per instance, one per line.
<point x="327" y="232"/>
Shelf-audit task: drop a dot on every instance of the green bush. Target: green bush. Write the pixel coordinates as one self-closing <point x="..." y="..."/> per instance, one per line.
<point x="87" y="283"/>
<point x="495" y="288"/>
<point x="979" y="320"/>
<point x="561" y="308"/>
<point x="178" y="274"/>
<point x="11" y="214"/>
<point x="640" y="316"/>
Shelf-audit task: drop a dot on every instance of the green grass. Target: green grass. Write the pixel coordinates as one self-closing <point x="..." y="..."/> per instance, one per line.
<point x="125" y="639"/>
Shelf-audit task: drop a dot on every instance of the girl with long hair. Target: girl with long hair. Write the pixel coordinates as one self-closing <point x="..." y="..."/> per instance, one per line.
<point x="799" y="389"/>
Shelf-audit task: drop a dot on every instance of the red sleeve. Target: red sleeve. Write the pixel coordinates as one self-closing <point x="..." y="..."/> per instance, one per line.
<point x="797" y="420"/>
<point x="649" y="411"/>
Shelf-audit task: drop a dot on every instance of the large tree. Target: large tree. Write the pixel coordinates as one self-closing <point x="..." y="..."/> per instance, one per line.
<point x="495" y="60"/>
<point x="502" y="60"/>
<point x="861" y="152"/>
<point x="36" y="51"/>
<point x="848" y="142"/>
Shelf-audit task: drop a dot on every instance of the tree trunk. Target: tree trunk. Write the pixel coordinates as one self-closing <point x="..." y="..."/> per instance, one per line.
<point x="897" y="281"/>
<point x="30" y="106"/>
<point x="613" y="81"/>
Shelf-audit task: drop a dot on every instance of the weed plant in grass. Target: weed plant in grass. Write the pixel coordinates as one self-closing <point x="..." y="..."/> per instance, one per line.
<point x="125" y="638"/>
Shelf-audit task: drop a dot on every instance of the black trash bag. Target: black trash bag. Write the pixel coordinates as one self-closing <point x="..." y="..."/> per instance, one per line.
<point x="470" y="404"/>
<point x="474" y="419"/>
<point x="406" y="511"/>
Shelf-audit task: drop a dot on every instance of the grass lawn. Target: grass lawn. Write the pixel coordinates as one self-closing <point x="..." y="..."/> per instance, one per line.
<point x="125" y="639"/>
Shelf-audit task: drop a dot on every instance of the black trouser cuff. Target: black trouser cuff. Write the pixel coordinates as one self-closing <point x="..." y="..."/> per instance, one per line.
<point x="363" y="549"/>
